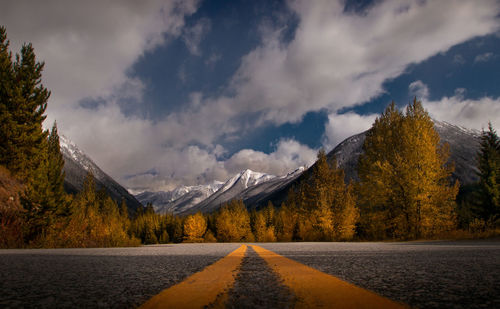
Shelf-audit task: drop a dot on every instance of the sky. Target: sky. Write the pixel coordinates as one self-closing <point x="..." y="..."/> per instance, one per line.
<point x="167" y="93"/>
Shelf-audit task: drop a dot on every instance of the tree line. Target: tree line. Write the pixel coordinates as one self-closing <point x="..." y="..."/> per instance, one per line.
<point x="404" y="189"/>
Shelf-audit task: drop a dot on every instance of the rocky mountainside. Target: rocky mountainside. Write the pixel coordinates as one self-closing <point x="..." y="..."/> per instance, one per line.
<point x="247" y="185"/>
<point x="231" y="190"/>
<point x="77" y="164"/>
<point x="180" y="199"/>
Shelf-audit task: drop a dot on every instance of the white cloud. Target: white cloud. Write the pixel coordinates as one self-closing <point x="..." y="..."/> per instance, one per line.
<point x="288" y="155"/>
<point x="194" y="165"/>
<point x="468" y="113"/>
<point x="334" y="60"/>
<point x="418" y="89"/>
<point x="88" y="45"/>
<point x="473" y="114"/>
<point x="340" y="127"/>
<point x="484" y="57"/>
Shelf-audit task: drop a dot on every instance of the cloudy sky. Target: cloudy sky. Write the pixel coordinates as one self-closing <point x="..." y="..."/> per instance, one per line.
<point x="165" y="93"/>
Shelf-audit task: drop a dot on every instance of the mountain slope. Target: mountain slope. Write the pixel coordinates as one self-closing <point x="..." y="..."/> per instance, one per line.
<point x="231" y="189"/>
<point x="464" y="144"/>
<point x="180" y="199"/>
<point x="77" y="164"/>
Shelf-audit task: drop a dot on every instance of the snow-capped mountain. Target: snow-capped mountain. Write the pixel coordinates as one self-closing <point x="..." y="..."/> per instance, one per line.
<point x="256" y="196"/>
<point x="76" y="166"/>
<point x="180" y="199"/>
<point x="231" y="190"/>
<point x="247" y="185"/>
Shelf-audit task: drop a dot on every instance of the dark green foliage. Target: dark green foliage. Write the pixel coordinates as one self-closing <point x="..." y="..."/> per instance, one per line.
<point x="7" y="97"/>
<point x="24" y="150"/>
<point x="489" y="173"/>
<point x="56" y="173"/>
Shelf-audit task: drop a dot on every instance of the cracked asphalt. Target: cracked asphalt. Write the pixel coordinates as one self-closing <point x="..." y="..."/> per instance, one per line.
<point x="460" y="274"/>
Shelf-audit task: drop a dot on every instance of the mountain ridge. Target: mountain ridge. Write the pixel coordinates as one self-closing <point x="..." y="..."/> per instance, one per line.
<point x="76" y="166"/>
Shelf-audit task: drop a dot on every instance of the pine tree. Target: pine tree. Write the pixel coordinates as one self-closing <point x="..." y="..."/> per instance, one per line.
<point x="56" y="173"/>
<point x="404" y="186"/>
<point x="30" y="103"/>
<point x="7" y="96"/>
<point x="23" y="149"/>
<point x="489" y="175"/>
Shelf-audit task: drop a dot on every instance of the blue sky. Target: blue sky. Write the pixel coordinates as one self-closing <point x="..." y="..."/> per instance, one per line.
<point x="168" y="93"/>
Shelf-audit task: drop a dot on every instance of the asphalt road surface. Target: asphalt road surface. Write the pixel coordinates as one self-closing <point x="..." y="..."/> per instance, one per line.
<point x="462" y="274"/>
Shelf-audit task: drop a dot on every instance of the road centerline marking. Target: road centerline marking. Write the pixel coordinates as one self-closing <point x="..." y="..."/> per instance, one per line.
<point x="316" y="289"/>
<point x="202" y="288"/>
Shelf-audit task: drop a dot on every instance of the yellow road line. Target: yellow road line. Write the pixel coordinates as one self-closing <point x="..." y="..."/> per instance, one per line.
<point x="315" y="289"/>
<point x="200" y="289"/>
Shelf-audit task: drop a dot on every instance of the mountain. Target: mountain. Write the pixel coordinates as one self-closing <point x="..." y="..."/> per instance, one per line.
<point x="180" y="199"/>
<point x="231" y="190"/>
<point x="76" y="166"/>
<point x="247" y="185"/>
<point x="464" y="145"/>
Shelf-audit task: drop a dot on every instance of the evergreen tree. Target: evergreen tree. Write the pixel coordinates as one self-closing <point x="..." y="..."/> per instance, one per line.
<point x="7" y="98"/>
<point x="489" y="175"/>
<point x="23" y="142"/>
<point x="30" y="102"/>
<point x="56" y="173"/>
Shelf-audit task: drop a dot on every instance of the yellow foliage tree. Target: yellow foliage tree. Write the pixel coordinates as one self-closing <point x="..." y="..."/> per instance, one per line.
<point x="327" y="209"/>
<point x="233" y="223"/>
<point x="286" y="221"/>
<point x="404" y="177"/>
<point x="194" y="228"/>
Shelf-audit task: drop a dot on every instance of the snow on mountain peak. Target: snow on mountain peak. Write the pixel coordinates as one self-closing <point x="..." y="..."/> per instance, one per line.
<point x="247" y="178"/>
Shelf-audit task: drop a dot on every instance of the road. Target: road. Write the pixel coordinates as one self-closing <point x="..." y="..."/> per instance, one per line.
<point x="462" y="274"/>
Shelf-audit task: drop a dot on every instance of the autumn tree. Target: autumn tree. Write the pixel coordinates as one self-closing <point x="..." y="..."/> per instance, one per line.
<point x="326" y="206"/>
<point x="286" y="223"/>
<point x="489" y="176"/>
<point x="195" y="227"/>
<point x="404" y="187"/>
<point x="233" y="223"/>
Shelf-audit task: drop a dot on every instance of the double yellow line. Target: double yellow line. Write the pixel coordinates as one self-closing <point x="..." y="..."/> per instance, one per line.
<point x="311" y="288"/>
